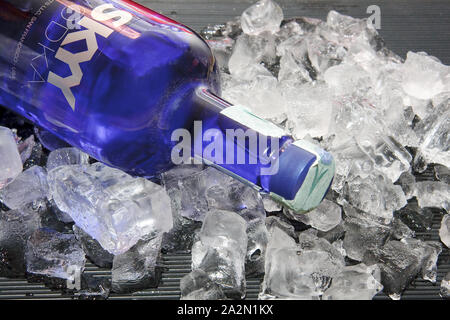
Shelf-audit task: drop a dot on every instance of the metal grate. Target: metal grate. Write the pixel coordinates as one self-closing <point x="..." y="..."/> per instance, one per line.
<point x="178" y="265"/>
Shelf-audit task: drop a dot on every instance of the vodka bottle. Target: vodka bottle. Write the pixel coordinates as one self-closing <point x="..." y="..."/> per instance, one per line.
<point x="141" y="92"/>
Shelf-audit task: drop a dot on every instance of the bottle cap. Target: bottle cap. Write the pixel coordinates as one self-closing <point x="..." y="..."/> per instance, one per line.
<point x="304" y="177"/>
<point x="304" y="171"/>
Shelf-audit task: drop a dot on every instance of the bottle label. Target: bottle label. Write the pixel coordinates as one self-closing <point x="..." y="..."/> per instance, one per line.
<point x="69" y="26"/>
<point x="53" y="49"/>
<point x="247" y="118"/>
<point x="92" y="28"/>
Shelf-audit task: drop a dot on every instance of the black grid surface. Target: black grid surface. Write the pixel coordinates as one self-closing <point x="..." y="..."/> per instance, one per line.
<point x="178" y="265"/>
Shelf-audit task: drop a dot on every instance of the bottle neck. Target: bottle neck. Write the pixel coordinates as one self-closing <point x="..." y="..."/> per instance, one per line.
<point x="236" y="141"/>
<point x="259" y="153"/>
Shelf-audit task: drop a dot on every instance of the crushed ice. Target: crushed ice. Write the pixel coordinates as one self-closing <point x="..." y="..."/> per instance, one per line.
<point x="333" y="82"/>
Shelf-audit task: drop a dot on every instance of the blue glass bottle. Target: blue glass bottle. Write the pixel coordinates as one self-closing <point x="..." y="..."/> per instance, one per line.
<point x="120" y="81"/>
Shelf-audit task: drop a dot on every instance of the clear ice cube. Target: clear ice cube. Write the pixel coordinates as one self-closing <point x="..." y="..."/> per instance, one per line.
<point x="301" y="271"/>
<point x="324" y="218"/>
<point x="256" y="246"/>
<point x="399" y="265"/>
<point x="362" y="235"/>
<point x="66" y="156"/>
<point x="375" y="195"/>
<point x="445" y="286"/>
<point x="55" y="255"/>
<point x="274" y="221"/>
<point x="139" y="267"/>
<point x="10" y="161"/>
<point x="195" y="191"/>
<point x="26" y="148"/>
<point x="424" y="76"/>
<point x="197" y="285"/>
<point x="433" y="194"/>
<point x="444" y="230"/>
<point x="429" y="252"/>
<point x="407" y="182"/>
<point x="221" y="251"/>
<point x="358" y="282"/>
<point x="434" y="140"/>
<point x="15" y="229"/>
<point x="28" y="186"/>
<point x="93" y="250"/>
<point x="111" y="206"/>
<point x="265" y="15"/>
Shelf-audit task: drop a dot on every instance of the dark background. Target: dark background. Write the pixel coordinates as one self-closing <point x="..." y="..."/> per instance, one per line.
<point x="406" y="25"/>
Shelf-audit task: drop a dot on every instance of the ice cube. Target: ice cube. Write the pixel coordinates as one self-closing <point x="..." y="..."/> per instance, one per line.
<point x="271" y="205"/>
<point x="221" y="251"/>
<point x="432" y="194"/>
<point x="358" y="282"/>
<point x="263" y="16"/>
<point x="274" y="221"/>
<point x="442" y="173"/>
<point x="245" y="60"/>
<point x="346" y="78"/>
<point x="284" y="277"/>
<point x="323" y="53"/>
<point x="400" y="230"/>
<point x="10" y="161"/>
<point x="362" y="235"/>
<point x="111" y="206"/>
<point x="407" y="182"/>
<point x="388" y="156"/>
<point x="309" y="110"/>
<point x="424" y="76"/>
<point x="139" y="267"/>
<point x="198" y="191"/>
<point x="181" y="237"/>
<point x="445" y="286"/>
<point x="27" y="187"/>
<point x="334" y="262"/>
<point x="444" y="231"/>
<point x="261" y="96"/>
<point x="66" y="156"/>
<point x="339" y="246"/>
<point x="198" y="286"/>
<point x="334" y="234"/>
<point x="26" y="148"/>
<point x="93" y="288"/>
<point x="42" y="208"/>
<point x="93" y="250"/>
<point x="429" y="252"/>
<point x="416" y="218"/>
<point x="434" y="140"/>
<point x="56" y="255"/>
<point x="256" y="246"/>
<point x="301" y="271"/>
<point x="399" y="265"/>
<point x="60" y="215"/>
<point x="292" y="72"/>
<point x="350" y="29"/>
<point x="324" y="218"/>
<point x="222" y="49"/>
<point x="375" y="195"/>
<point x="15" y="229"/>
<point x="350" y="160"/>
